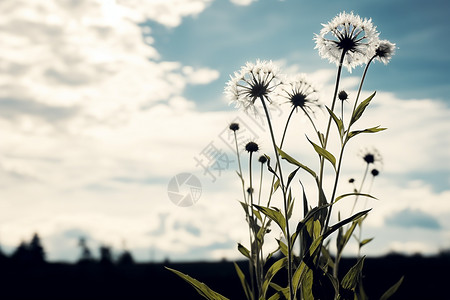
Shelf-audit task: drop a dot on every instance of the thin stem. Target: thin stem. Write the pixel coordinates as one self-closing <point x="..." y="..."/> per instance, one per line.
<point x="288" y="236"/>
<point x="254" y="247"/>
<point x="336" y="88"/>
<point x="360" y="188"/>
<point x="362" y="82"/>
<point x="240" y="168"/>
<point x="260" y="183"/>
<point x="252" y="283"/>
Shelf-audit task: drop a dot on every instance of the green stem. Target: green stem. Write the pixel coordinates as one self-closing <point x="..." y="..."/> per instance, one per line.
<point x="252" y="283"/>
<point x="240" y="168"/>
<point x="360" y="188"/>
<point x="254" y="246"/>
<point x="288" y="236"/>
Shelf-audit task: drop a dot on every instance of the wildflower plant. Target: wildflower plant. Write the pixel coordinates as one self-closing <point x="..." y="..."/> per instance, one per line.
<point x="312" y="272"/>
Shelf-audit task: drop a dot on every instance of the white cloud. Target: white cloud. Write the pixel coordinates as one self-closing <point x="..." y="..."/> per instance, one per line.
<point x="94" y="124"/>
<point x="243" y="2"/>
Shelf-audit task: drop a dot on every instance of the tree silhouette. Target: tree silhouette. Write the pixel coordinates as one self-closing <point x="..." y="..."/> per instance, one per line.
<point x="36" y="250"/>
<point x="125" y="258"/>
<point x="86" y="255"/>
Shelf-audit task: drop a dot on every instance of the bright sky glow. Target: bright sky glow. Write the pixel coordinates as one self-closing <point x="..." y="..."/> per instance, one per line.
<point x="103" y="102"/>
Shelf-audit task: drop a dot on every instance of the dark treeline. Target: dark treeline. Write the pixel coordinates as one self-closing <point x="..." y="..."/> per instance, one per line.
<point x="25" y="274"/>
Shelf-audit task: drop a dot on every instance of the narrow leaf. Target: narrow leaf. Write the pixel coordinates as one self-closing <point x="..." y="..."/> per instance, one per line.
<point x="360" y="109"/>
<point x="293" y="161"/>
<point x="244" y="251"/>
<point x="391" y="291"/>
<point x="353" y="276"/>
<point x="337" y="121"/>
<point x="323" y="152"/>
<point x="200" y="287"/>
<point x="367" y="130"/>
<point x="245" y="286"/>
<point x="276" y="266"/>
<point x="353" y="194"/>
<point x="366" y="241"/>
<point x="346" y="221"/>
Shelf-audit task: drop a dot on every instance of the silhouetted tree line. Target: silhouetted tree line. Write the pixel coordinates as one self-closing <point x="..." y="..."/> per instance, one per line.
<point x="25" y="274"/>
<point x="33" y="253"/>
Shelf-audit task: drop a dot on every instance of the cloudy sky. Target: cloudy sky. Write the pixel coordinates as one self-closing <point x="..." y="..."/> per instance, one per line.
<point x="103" y="102"/>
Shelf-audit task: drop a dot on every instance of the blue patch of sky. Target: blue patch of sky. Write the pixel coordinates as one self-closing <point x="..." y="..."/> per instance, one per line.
<point x="225" y="36"/>
<point x="409" y="218"/>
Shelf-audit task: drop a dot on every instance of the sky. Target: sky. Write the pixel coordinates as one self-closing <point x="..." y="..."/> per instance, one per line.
<point x="103" y="103"/>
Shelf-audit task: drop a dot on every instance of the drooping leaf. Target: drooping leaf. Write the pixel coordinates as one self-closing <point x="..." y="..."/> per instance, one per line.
<point x="244" y="251"/>
<point x="351" y="279"/>
<point x="293" y="161"/>
<point x="391" y="291"/>
<point x="324" y="153"/>
<point x="200" y="287"/>
<point x="357" y="113"/>
<point x="244" y="283"/>
<point x="275" y="215"/>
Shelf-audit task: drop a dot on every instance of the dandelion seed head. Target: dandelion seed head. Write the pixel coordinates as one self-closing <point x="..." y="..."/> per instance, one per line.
<point x="254" y="81"/>
<point x="371" y="156"/>
<point x="384" y="51"/>
<point x="300" y="93"/>
<point x="350" y="34"/>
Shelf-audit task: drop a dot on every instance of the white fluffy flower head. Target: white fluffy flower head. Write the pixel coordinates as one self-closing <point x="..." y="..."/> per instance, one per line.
<point x="300" y="93"/>
<point x="253" y="81"/>
<point x="349" y="35"/>
<point x="384" y="51"/>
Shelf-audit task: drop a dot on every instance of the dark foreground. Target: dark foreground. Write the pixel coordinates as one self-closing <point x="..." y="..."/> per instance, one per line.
<point x="425" y="278"/>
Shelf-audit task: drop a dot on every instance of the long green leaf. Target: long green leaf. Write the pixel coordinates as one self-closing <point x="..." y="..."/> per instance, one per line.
<point x="324" y="153"/>
<point x="293" y="161"/>
<point x="200" y="287"/>
<point x="360" y="109"/>
<point x="244" y="283"/>
<point x="391" y="291"/>
<point x="367" y="130"/>
<point x="276" y="266"/>
<point x="275" y="215"/>
<point x="346" y="221"/>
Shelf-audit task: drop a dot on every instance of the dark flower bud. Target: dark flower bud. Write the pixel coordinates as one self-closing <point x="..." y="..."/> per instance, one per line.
<point x="250" y="190"/>
<point x="251" y="147"/>
<point x="351" y="180"/>
<point x="262" y="159"/>
<point x="343" y="95"/>
<point x="375" y="172"/>
<point x="234" y="126"/>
